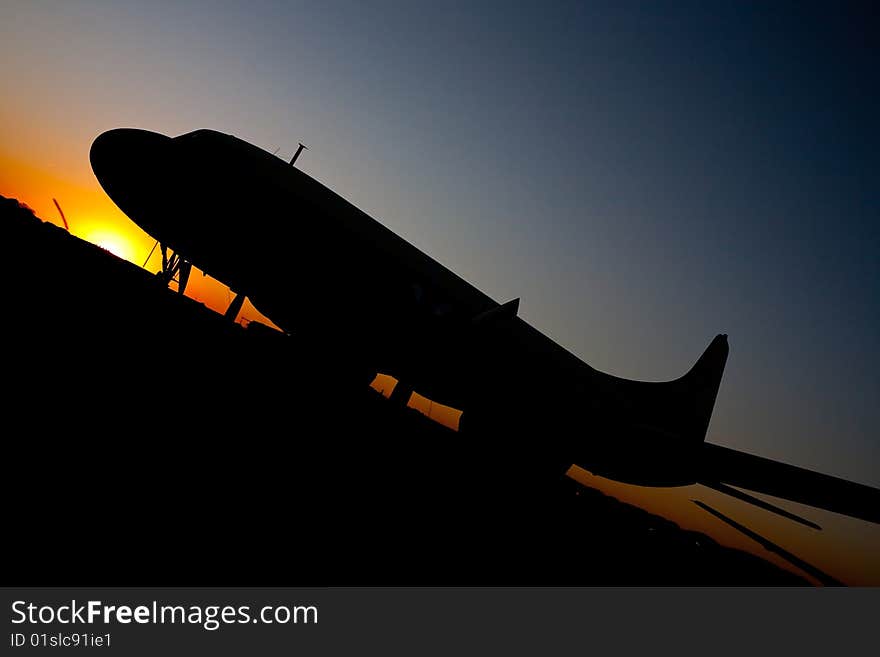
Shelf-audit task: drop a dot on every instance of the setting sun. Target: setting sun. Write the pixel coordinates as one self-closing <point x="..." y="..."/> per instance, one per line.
<point x="113" y="243"/>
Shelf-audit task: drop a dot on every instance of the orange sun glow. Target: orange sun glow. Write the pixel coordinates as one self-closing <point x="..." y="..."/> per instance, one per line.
<point x="114" y="244"/>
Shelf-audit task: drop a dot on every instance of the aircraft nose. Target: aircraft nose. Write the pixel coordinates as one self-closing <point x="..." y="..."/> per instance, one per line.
<point x="129" y="154"/>
<point x="133" y="166"/>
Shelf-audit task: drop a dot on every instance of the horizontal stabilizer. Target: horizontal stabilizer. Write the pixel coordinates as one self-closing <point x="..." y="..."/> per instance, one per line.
<point x="770" y="546"/>
<point x="754" y="473"/>
<point x="754" y="501"/>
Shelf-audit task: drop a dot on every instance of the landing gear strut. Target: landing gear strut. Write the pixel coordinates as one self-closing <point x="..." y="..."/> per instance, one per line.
<point x="175" y="266"/>
<point x="172" y="266"/>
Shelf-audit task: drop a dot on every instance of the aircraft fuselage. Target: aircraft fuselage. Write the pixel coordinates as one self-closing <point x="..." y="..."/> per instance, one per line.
<point x="324" y="270"/>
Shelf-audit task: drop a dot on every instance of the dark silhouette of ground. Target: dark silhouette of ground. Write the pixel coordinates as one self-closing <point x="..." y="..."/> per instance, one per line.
<point x="150" y="441"/>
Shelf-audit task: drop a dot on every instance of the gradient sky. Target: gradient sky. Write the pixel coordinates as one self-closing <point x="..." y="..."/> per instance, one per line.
<point x="643" y="177"/>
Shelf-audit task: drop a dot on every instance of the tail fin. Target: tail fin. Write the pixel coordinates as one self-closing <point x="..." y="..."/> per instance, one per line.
<point x="700" y="387"/>
<point x="680" y="409"/>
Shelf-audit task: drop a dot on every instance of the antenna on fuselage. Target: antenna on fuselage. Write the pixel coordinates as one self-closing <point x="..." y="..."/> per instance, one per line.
<point x="298" y="151"/>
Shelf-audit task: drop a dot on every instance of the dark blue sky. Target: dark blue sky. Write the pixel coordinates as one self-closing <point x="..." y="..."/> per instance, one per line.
<point x="644" y="177"/>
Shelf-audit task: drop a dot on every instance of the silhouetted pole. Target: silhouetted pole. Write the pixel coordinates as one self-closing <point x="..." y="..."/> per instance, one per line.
<point x="64" y="219"/>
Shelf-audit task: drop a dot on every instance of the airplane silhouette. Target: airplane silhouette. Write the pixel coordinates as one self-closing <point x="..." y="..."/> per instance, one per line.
<point x="323" y="270"/>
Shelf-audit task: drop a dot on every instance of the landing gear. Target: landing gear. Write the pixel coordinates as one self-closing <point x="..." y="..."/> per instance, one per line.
<point x="401" y="393"/>
<point x="177" y="269"/>
<point x="174" y="268"/>
<point x="234" y="307"/>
